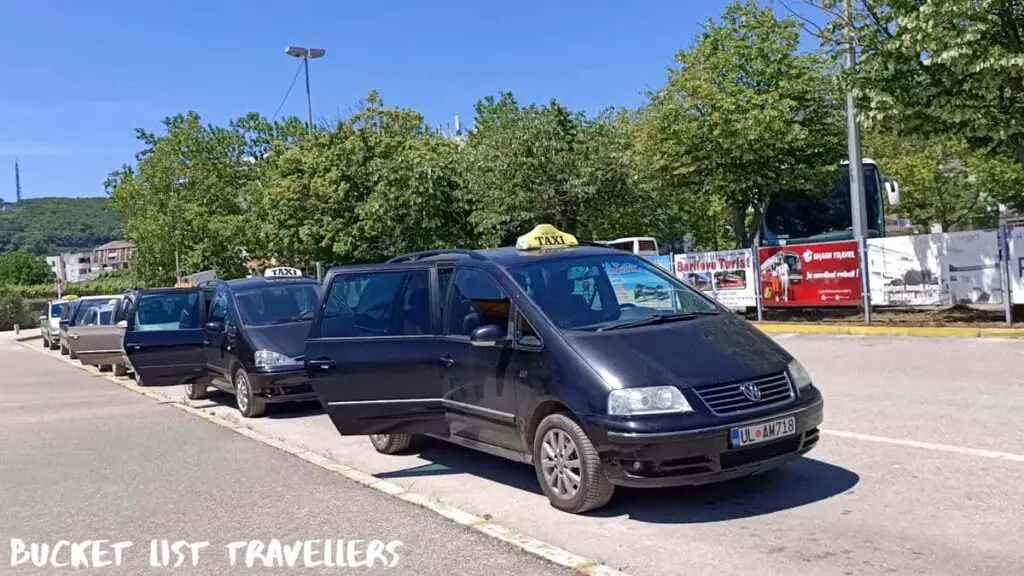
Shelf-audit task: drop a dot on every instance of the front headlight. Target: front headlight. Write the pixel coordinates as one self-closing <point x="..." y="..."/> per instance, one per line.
<point x="801" y="379"/>
<point x="271" y="359"/>
<point x="649" y="400"/>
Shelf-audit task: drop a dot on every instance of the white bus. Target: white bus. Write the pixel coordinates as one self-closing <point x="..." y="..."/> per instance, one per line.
<point x="639" y="245"/>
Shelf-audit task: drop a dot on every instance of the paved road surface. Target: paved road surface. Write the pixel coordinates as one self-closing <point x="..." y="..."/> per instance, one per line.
<point x="900" y="483"/>
<point x="83" y="459"/>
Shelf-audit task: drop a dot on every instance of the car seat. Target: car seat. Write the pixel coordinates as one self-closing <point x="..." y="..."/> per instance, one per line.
<point x="416" y="313"/>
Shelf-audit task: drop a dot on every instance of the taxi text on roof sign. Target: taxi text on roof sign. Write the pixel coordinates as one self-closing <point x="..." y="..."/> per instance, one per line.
<point x="282" y="272"/>
<point x="545" y="236"/>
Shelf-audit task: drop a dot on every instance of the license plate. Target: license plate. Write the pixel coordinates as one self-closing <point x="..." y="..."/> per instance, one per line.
<point x="763" y="432"/>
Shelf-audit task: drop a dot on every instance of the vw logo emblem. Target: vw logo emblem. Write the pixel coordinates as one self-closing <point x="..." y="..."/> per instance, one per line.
<point x="751" y="391"/>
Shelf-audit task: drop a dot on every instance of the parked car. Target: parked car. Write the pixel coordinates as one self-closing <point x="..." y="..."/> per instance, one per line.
<point x="49" y="323"/>
<point x="96" y="339"/>
<point x="500" y="351"/>
<point x="163" y="335"/>
<point x="255" y="337"/>
<point x="73" y="314"/>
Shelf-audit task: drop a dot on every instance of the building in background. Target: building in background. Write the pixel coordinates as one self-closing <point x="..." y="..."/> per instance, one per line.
<point x="71" y="266"/>
<point x="116" y="255"/>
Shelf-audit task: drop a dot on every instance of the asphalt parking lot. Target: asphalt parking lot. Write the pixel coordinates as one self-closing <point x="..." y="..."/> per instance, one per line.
<point x="920" y="470"/>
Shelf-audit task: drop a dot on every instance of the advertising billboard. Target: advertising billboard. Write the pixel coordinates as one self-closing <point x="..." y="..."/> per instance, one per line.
<point x="936" y="269"/>
<point x="810" y="275"/>
<point x="726" y="276"/>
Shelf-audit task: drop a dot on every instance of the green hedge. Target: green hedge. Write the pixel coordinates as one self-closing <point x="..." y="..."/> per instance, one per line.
<point x="100" y="287"/>
<point x="12" y="309"/>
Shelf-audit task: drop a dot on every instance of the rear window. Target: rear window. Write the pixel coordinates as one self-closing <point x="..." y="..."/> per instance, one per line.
<point x="167" y="311"/>
<point x="56" y="309"/>
<point x="648" y="246"/>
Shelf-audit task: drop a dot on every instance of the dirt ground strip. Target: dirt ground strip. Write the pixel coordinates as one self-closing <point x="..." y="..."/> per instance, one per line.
<point x="956" y="316"/>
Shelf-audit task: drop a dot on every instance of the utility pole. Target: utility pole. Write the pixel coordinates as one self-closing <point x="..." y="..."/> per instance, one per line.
<point x="306" y="54"/>
<point x="857" y="207"/>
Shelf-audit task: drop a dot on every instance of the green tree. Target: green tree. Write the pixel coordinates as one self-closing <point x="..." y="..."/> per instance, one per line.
<point x="186" y="198"/>
<point x="378" y="184"/>
<point x="526" y="165"/>
<point x="944" y="67"/>
<point x="12" y="308"/>
<point x="23" y="268"/>
<point x="49" y="226"/>
<point x="943" y="180"/>
<point x="744" y="116"/>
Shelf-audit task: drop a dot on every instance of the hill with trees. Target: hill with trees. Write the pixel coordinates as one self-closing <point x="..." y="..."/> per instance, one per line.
<point x="47" y="226"/>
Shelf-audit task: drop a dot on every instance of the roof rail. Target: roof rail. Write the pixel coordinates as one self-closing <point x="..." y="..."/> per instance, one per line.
<point x="417" y="255"/>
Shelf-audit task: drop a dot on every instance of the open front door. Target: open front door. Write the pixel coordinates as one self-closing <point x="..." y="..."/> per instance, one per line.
<point x="374" y="356"/>
<point x="164" y="337"/>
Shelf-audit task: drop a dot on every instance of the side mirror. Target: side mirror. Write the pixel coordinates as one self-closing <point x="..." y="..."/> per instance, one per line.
<point x="490" y="335"/>
<point x="122" y="324"/>
<point x="214" y="326"/>
<point x="892" y="190"/>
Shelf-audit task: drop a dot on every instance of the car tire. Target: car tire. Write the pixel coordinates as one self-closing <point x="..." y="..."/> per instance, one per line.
<point x="53" y="345"/>
<point x="557" y="440"/>
<point x="195" y="391"/>
<point x="104" y="367"/>
<point x="249" y="404"/>
<point x="120" y="370"/>
<point x="63" y="351"/>
<point x="46" y="343"/>
<point x="72" y="355"/>
<point x="392" y="443"/>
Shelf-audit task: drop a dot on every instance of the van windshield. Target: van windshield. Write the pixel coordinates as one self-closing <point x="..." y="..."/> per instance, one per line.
<point x="56" y="309"/>
<point x="594" y="292"/>
<point x="277" y="304"/>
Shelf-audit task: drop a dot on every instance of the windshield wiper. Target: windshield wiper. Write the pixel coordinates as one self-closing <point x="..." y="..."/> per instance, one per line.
<point x="301" y="318"/>
<point x="663" y="318"/>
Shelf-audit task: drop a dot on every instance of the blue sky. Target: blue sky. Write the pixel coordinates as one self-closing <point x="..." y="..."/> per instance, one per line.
<point x="77" y="77"/>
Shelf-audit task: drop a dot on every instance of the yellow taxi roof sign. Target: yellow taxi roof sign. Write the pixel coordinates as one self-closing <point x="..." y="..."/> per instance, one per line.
<point x="545" y="236"/>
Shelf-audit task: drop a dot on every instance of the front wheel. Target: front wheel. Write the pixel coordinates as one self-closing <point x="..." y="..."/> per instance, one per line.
<point x="568" y="467"/>
<point x="392" y="443"/>
<point x="195" y="391"/>
<point x="63" y="351"/>
<point x="53" y="345"/>
<point x="72" y="355"/>
<point x="249" y="404"/>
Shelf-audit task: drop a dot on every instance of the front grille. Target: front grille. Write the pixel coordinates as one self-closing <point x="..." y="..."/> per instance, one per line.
<point x="726" y="399"/>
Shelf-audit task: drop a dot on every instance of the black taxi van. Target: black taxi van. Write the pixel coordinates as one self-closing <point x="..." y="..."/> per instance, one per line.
<point x="254" y="336"/>
<point x="545" y="353"/>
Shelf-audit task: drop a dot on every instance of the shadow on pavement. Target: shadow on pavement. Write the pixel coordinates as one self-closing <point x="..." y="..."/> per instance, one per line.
<point x="217" y="399"/>
<point x="799" y="483"/>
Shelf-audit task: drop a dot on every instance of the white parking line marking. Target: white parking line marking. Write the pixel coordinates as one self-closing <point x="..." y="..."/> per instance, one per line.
<point x="928" y="445"/>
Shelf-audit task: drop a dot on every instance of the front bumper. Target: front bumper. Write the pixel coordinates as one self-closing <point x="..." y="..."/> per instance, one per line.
<point x="282" y="385"/>
<point x="704" y="456"/>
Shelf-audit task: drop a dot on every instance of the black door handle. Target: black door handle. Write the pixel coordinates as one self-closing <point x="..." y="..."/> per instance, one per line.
<point x="321" y="364"/>
<point x="446" y="361"/>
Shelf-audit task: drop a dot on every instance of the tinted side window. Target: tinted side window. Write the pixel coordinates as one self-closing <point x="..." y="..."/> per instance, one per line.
<point x="168" y="311"/>
<point x="377" y="304"/>
<point x="219" y="308"/>
<point x="475" y="301"/>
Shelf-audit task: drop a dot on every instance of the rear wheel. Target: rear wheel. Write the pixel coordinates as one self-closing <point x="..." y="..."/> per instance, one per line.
<point x="195" y="391"/>
<point x="72" y="355"/>
<point x="53" y="345"/>
<point x="568" y="467"/>
<point x="249" y="404"/>
<point x="63" y="351"/>
<point x="392" y="443"/>
<point x="120" y="370"/>
<point x="104" y="367"/>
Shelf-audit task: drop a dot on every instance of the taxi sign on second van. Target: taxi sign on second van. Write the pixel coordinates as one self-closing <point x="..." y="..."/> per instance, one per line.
<point x="545" y="236"/>
<point x="282" y="272"/>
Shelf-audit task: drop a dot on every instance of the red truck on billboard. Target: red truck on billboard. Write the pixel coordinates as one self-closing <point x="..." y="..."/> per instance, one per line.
<point x="810" y="275"/>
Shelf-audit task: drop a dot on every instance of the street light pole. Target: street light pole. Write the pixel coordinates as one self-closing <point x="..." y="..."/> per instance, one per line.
<point x="857" y="207"/>
<point x="306" y="54"/>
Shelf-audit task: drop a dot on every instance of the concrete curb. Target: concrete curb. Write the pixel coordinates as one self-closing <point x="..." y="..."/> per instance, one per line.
<point x="484" y="525"/>
<point x="936" y="331"/>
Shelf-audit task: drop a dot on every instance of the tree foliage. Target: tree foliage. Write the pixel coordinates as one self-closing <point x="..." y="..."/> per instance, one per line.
<point x="744" y="116"/>
<point x="23" y="268"/>
<point x="49" y="226"/>
<point x="940" y="68"/>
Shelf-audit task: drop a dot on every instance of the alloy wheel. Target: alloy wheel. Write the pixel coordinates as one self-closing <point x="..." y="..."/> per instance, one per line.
<point x="560" y="463"/>
<point x="242" y="391"/>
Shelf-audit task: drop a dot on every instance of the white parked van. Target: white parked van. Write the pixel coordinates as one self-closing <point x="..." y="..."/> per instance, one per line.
<point x="639" y="245"/>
